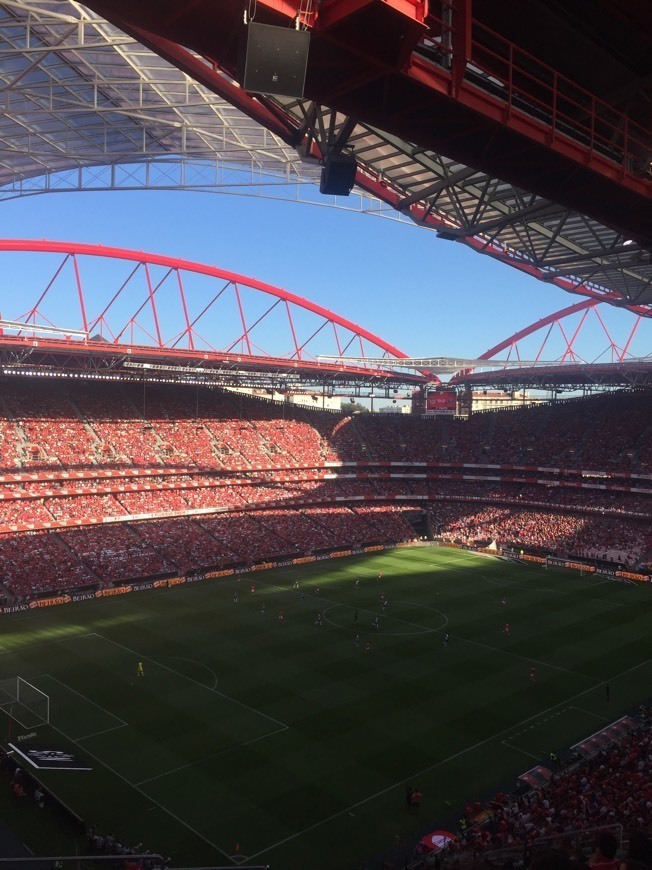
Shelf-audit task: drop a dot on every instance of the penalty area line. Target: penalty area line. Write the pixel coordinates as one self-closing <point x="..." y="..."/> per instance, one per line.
<point x="158" y="664"/>
<point x="97" y="733"/>
<point x="518" y="749"/>
<point x="140" y="791"/>
<point x="199" y="664"/>
<point x="84" y="698"/>
<point x="589" y="713"/>
<point x="456" y="755"/>
<point x="522" y="657"/>
<point x="214" y="755"/>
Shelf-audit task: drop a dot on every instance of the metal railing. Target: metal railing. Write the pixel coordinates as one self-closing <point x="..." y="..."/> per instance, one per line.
<point x="525" y="84"/>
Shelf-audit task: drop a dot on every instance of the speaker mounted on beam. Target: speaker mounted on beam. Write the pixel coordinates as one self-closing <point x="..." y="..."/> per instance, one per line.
<point x="338" y="174"/>
<point x="275" y="60"/>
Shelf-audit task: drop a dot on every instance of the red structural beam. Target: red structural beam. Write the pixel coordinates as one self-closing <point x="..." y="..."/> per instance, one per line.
<point x="176" y="263"/>
<point x="271" y="116"/>
<point x="537" y="325"/>
<point x="211" y="359"/>
<point x="475" y="97"/>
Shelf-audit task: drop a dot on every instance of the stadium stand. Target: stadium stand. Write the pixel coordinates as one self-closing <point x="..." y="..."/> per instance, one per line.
<point x="117" y="552"/>
<point x="30" y="564"/>
<point x="560" y="534"/>
<point x="75" y="457"/>
<point x="611" y="788"/>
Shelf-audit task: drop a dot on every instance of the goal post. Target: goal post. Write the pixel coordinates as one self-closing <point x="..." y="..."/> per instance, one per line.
<point x="24" y="703"/>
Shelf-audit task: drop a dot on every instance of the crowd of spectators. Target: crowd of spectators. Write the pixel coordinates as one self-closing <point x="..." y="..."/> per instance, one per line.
<point x="53" y="433"/>
<point x="85" y="507"/>
<point x="67" y="425"/>
<point x="59" y="561"/>
<point x="612" y="788"/>
<point x="389" y="520"/>
<point x="125" y="436"/>
<point x="115" y="552"/>
<point x="92" y="499"/>
<point x="597" y="432"/>
<point x="282" y="451"/>
<point x="567" y="534"/>
<point x="34" y="563"/>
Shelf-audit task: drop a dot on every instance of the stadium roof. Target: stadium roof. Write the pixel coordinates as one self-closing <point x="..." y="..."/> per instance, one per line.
<point x="438" y="365"/>
<point x="571" y="376"/>
<point x="79" y="94"/>
<point x="87" y="106"/>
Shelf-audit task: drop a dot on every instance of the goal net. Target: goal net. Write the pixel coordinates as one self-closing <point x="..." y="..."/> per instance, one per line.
<point x="24" y="703"/>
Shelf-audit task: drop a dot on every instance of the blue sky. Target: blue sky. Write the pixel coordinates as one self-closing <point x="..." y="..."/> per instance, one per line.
<point x="423" y="294"/>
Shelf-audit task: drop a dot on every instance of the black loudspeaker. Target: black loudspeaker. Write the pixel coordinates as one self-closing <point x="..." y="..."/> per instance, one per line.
<point x="338" y="174"/>
<point x="275" y="60"/>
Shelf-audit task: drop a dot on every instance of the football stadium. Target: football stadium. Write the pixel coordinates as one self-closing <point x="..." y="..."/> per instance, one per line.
<point x="273" y="591"/>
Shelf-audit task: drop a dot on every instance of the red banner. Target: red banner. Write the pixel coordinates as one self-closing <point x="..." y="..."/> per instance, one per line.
<point x="630" y="575"/>
<point x="48" y="602"/>
<point x="580" y="566"/>
<point x="116" y="590"/>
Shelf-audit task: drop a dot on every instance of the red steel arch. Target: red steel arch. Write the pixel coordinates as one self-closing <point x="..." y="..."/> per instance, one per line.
<point x="511" y="343"/>
<point x="565" y="330"/>
<point x="155" y="281"/>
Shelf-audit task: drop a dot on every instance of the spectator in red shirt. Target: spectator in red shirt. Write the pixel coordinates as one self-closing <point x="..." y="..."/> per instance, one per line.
<point x="604" y="856"/>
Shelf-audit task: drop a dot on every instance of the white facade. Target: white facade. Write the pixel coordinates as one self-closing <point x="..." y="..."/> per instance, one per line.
<point x="488" y="400"/>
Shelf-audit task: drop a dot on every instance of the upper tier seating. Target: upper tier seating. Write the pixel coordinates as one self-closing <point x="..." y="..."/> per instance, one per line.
<point x="130" y="430"/>
<point x="68" y="425"/>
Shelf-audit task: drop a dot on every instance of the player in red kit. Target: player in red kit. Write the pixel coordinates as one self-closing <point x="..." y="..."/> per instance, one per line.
<point x="506" y="629"/>
<point x="533" y="674"/>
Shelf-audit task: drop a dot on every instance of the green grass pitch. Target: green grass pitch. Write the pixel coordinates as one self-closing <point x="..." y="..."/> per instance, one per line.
<point x="283" y="743"/>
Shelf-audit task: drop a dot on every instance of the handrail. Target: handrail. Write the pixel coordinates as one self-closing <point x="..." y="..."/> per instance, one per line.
<point x="525" y="83"/>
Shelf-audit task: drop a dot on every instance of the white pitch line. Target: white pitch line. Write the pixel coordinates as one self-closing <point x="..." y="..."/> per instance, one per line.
<point x="104" y="731"/>
<point x="190" y="679"/>
<point x="84" y="698"/>
<point x="589" y="713"/>
<point x="523" y="658"/>
<point x="172" y="815"/>
<point x="214" y="755"/>
<point x="518" y="749"/>
<point x="438" y="764"/>
<point x="195" y="662"/>
<point x="384" y="615"/>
